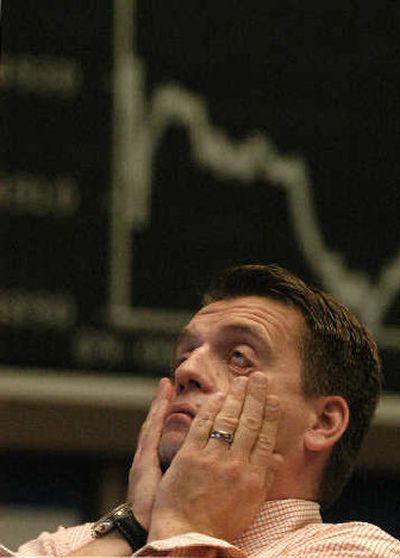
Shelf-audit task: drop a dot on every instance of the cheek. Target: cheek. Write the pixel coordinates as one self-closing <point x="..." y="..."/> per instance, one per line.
<point x="295" y="420"/>
<point x="223" y="378"/>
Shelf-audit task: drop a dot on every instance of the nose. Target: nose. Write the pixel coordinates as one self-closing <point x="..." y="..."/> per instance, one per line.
<point x="194" y="373"/>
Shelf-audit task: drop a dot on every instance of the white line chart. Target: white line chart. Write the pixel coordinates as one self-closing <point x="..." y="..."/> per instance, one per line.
<point x="139" y="126"/>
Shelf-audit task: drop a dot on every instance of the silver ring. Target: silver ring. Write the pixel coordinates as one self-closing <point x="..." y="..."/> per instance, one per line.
<point x="222" y="435"/>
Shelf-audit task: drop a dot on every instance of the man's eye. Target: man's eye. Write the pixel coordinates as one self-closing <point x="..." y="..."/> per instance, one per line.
<point x="239" y="359"/>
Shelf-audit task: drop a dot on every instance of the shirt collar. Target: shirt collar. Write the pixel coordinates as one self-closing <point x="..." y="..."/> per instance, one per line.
<point x="275" y="520"/>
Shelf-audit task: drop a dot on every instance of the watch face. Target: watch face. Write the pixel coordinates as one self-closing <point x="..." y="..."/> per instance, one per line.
<point x="107" y="522"/>
<point x="103" y="526"/>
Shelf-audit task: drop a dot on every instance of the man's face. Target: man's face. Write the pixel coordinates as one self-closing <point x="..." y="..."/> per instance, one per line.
<point x="236" y="337"/>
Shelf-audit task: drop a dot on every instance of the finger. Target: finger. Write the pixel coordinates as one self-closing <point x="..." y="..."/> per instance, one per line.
<point x="228" y="418"/>
<point x="152" y="427"/>
<point x="266" y="441"/>
<point x="251" y="418"/>
<point x="202" y="424"/>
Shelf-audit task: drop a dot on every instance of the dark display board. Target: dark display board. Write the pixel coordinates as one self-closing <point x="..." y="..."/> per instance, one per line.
<point x="150" y="144"/>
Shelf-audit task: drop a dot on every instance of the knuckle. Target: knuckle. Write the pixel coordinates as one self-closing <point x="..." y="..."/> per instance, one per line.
<point x="227" y="423"/>
<point x="204" y="420"/>
<point x="265" y="443"/>
<point x="251" y="423"/>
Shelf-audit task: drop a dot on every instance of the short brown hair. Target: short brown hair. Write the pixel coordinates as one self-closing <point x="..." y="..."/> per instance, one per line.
<point x="340" y="356"/>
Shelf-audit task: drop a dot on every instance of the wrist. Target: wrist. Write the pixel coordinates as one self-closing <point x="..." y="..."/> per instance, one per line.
<point x="168" y="526"/>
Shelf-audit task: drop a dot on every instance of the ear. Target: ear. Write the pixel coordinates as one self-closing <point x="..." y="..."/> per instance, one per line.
<point x="329" y="422"/>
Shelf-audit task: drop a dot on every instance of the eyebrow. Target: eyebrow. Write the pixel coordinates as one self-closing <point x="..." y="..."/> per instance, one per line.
<point x="256" y="332"/>
<point x="251" y="330"/>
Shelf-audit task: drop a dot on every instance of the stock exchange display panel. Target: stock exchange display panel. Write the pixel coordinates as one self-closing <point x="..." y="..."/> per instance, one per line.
<point x="148" y="145"/>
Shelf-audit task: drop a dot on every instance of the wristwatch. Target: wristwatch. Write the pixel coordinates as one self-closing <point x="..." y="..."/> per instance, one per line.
<point x="122" y="519"/>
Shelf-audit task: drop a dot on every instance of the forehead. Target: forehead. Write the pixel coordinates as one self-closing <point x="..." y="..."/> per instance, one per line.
<point x="261" y="316"/>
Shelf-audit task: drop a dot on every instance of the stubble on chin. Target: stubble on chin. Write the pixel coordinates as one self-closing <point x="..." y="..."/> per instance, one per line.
<point x="170" y="444"/>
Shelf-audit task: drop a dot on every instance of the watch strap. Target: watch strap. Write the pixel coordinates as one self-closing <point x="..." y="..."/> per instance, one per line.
<point x="130" y="529"/>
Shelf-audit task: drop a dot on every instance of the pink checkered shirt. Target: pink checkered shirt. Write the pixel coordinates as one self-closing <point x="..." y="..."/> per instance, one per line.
<point x="283" y="528"/>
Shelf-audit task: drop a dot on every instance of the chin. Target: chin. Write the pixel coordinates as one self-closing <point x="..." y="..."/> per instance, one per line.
<point x="170" y="444"/>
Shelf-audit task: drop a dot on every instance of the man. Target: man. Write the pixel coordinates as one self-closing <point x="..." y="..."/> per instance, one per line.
<point x="274" y="388"/>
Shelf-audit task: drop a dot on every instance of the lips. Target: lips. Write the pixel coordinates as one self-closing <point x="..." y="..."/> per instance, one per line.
<point x="181" y="412"/>
<point x="184" y="408"/>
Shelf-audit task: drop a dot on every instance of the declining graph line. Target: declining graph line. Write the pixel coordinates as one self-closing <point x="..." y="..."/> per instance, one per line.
<point x="256" y="157"/>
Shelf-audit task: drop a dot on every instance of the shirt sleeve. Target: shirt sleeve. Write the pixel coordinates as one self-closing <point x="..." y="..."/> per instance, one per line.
<point x="195" y="545"/>
<point x="59" y="543"/>
<point x="349" y="540"/>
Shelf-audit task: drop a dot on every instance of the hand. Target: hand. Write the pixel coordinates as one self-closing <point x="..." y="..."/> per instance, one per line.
<point x="215" y="488"/>
<point x="145" y="473"/>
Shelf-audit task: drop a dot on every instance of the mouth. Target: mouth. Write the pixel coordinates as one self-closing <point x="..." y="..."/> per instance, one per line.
<point x="181" y="412"/>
